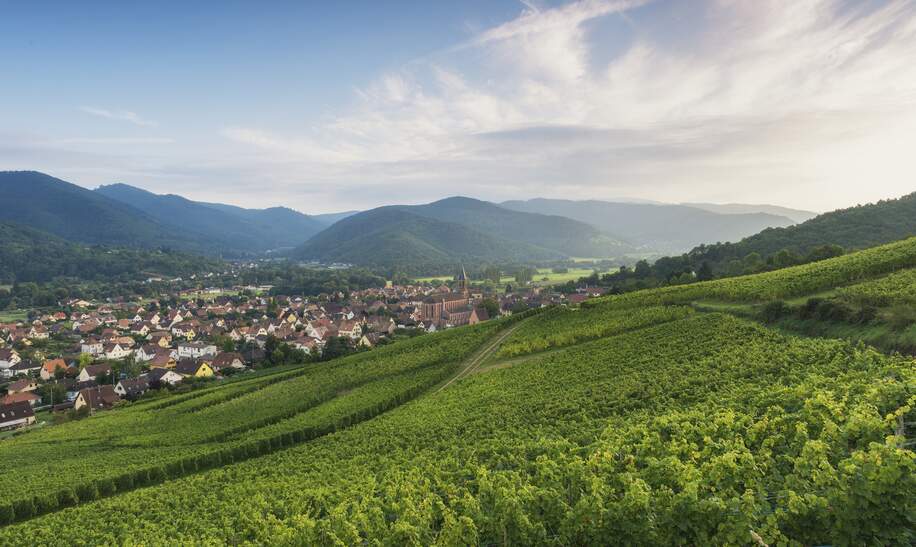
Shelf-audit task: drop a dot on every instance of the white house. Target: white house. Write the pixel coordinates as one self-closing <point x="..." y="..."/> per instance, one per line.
<point x="194" y="350"/>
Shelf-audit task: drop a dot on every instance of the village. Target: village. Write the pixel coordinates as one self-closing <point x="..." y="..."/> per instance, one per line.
<point x="91" y="356"/>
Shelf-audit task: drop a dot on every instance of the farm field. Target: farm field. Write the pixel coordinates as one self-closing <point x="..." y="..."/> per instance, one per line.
<point x="655" y="417"/>
<point x="10" y="316"/>
<point x="545" y="276"/>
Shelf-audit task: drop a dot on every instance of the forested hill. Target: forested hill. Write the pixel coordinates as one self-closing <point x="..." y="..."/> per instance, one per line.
<point x="229" y="228"/>
<point x="31" y="255"/>
<point x="74" y="213"/>
<point x="425" y="238"/>
<point x="853" y="228"/>
<point x="393" y="239"/>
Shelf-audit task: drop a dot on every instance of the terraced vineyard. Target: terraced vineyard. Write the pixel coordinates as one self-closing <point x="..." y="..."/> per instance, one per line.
<point x="898" y="287"/>
<point x="646" y="423"/>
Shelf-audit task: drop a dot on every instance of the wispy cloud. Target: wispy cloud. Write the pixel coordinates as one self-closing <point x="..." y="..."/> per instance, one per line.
<point x="119" y="115"/>
<point x="776" y="100"/>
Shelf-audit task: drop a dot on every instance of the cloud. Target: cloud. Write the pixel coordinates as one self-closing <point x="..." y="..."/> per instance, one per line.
<point x="789" y="101"/>
<point x="120" y="115"/>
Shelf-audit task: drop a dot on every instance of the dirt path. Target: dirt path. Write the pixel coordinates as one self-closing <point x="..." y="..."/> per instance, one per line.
<point x="482" y="355"/>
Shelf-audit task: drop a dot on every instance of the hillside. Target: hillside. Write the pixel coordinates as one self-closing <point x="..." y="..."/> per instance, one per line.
<point x="639" y="417"/>
<point x="655" y="227"/>
<point x="31" y="255"/>
<point x="74" y="213"/>
<point x="853" y="228"/>
<point x="394" y="239"/>
<point x="796" y="215"/>
<point x="227" y="229"/>
<point x="426" y="238"/>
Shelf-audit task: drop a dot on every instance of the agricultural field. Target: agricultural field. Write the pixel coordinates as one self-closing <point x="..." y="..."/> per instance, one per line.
<point x="643" y="418"/>
<point x="898" y="287"/>
<point x="545" y="276"/>
<point x="12" y="316"/>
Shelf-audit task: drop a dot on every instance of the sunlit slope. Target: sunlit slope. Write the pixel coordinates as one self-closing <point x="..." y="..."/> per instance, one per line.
<point x="785" y="283"/>
<point x="149" y="442"/>
<point x="695" y="431"/>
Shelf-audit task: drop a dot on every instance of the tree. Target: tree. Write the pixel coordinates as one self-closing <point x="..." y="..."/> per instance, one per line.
<point x="705" y="272"/>
<point x="642" y="270"/>
<point x="85" y="359"/>
<point x="492" y="307"/>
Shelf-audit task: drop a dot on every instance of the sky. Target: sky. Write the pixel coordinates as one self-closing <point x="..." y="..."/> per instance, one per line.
<point x="334" y="106"/>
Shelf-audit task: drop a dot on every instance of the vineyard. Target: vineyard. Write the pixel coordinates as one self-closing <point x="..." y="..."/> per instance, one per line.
<point x="898" y="287"/>
<point x="635" y="419"/>
<point x="779" y="284"/>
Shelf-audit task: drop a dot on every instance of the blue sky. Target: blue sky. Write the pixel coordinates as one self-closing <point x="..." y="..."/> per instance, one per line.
<point x="339" y="105"/>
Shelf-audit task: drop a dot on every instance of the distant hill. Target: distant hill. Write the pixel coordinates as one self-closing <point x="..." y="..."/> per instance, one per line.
<point x="74" y="213"/>
<point x="330" y="218"/>
<point x="395" y="239"/>
<point x="655" y="227"/>
<point x="551" y="231"/>
<point x="853" y="228"/>
<point x="227" y="228"/>
<point x="27" y="254"/>
<point x="427" y="238"/>
<point x="797" y="215"/>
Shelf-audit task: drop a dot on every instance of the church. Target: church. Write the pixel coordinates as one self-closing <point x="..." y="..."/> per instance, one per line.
<point x="454" y="308"/>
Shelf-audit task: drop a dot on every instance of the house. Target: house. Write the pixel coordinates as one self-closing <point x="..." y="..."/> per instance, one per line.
<point x="228" y="359"/>
<point x="25" y="397"/>
<point x="147" y="352"/>
<point x="38" y="332"/>
<point x="197" y="369"/>
<point x="16" y="415"/>
<point x="92" y="346"/>
<point x="96" y="398"/>
<point x="159" y="377"/>
<point x="8" y="358"/>
<point x="91" y="372"/>
<point x="116" y="351"/>
<point x="49" y="368"/>
<point x="133" y="388"/>
<point x="22" y="386"/>
<point x="350" y="329"/>
<point x="161" y="339"/>
<point x="74" y="387"/>
<point x="194" y="350"/>
<point x="163" y="360"/>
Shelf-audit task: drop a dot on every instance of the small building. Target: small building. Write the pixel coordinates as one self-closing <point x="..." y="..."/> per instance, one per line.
<point x="23" y="397"/>
<point x="91" y="372"/>
<point x="194" y="350"/>
<point x="161" y="377"/>
<point x="132" y="388"/>
<point x="194" y="368"/>
<point x="22" y="386"/>
<point x="16" y="415"/>
<point x="96" y="398"/>
<point x="50" y="367"/>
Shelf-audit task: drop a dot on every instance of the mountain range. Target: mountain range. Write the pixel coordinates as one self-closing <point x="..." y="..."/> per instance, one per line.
<point x="425" y="238"/>
<point x="658" y="228"/>
<point x="226" y="227"/>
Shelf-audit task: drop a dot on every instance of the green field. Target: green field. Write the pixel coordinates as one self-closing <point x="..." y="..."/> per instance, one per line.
<point x="551" y="278"/>
<point x="639" y="419"/>
<point x="10" y="316"/>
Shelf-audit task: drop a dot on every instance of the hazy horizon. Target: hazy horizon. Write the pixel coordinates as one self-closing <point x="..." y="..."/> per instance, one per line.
<point x="326" y="108"/>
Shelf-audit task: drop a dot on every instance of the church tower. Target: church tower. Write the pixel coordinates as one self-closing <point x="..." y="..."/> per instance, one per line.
<point x="463" y="281"/>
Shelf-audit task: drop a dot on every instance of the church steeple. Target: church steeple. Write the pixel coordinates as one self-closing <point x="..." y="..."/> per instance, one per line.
<point x="463" y="281"/>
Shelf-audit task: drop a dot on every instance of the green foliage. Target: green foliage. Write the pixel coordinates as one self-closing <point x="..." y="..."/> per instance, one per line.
<point x="216" y="425"/>
<point x="29" y="255"/>
<point x="563" y="327"/>
<point x="896" y="288"/>
<point x="695" y="431"/>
